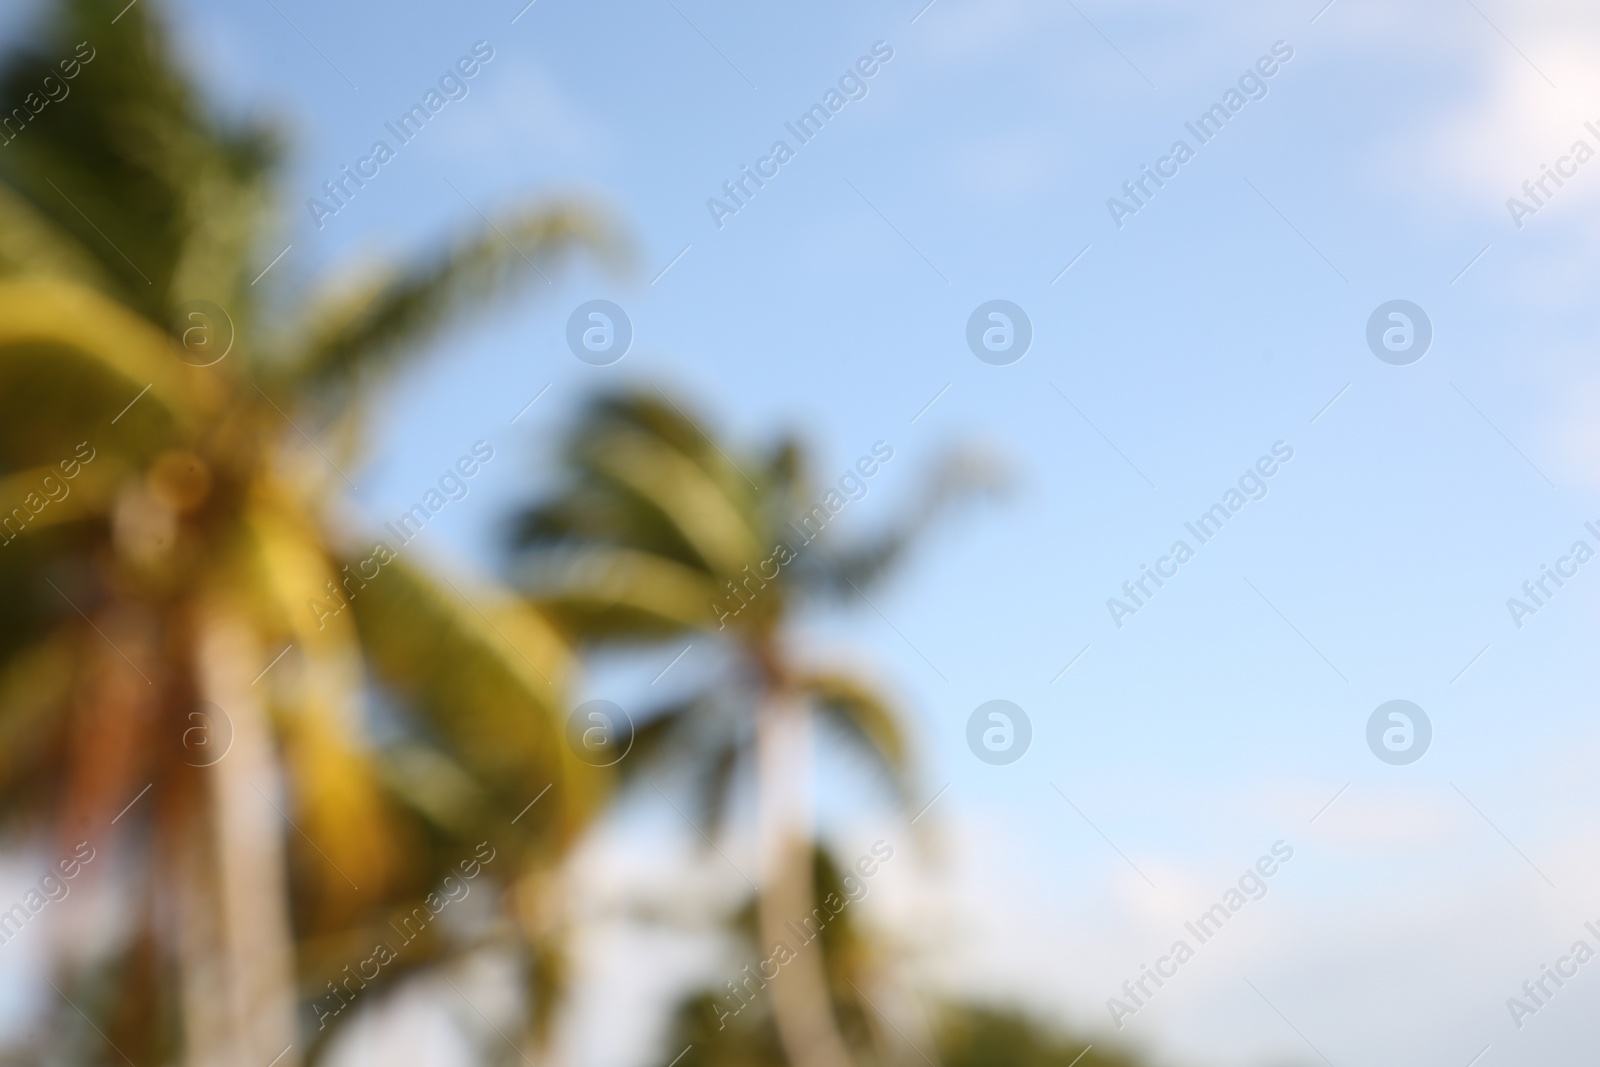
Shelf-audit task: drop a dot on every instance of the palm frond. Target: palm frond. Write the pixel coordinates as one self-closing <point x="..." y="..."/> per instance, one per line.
<point x="338" y="797"/>
<point x="485" y="675"/>
<point x="869" y="718"/>
<point x="700" y="509"/>
<point x="606" y="593"/>
<point x="958" y="478"/>
<point x="121" y="173"/>
<point x="698" y="739"/>
<point x="72" y="361"/>
<point x="392" y="312"/>
<point x="32" y="243"/>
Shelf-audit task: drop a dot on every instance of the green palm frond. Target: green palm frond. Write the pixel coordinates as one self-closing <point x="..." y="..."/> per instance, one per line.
<point x="392" y="311"/>
<point x="700" y="740"/>
<point x="869" y="719"/>
<point x="643" y="475"/>
<point x="956" y="479"/>
<point x="700" y="510"/>
<point x="338" y="798"/>
<point x="32" y="243"/>
<point x="127" y="162"/>
<point x="71" y="360"/>
<point x="486" y="675"/>
<point x="607" y="593"/>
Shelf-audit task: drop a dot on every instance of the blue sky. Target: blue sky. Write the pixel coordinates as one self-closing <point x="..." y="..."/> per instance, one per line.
<point x="1222" y="318"/>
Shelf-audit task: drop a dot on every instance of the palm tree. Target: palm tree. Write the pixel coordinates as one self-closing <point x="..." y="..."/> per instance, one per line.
<point x="977" y="1035"/>
<point x="165" y="531"/>
<point x="952" y="1033"/>
<point x="657" y="533"/>
<point x="747" y="1037"/>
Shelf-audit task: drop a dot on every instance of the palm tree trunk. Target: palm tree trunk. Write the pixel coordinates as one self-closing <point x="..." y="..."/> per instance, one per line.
<point x="202" y="975"/>
<point x="801" y="1002"/>
<point x="251" y="880"/>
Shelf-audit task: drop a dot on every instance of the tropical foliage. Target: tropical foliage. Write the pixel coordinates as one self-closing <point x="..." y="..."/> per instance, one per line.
<point x="949" y="1033"/>
<point x="659" y="533"/>
<point x="176" y="432"/>
<point x="285" y="745"/>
